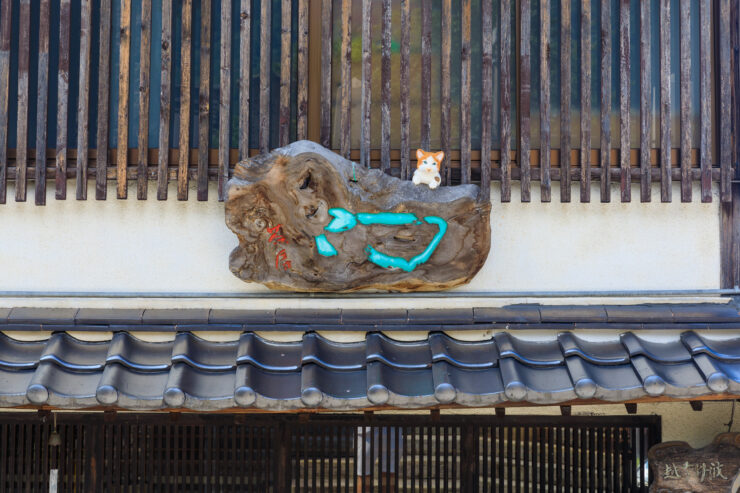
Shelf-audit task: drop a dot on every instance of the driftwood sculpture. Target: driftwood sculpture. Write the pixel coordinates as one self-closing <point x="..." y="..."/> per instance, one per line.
<point x="309" y="220"/>
<point x="678" y="468"/>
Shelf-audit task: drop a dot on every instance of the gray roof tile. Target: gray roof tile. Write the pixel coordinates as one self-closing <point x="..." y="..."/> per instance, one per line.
<point x="573" y="313"/>
<point x="242" y="317"/>
<point x="42" y="315"/>
<point x="508" y="314"/>
<point x="536" y="367"/>
<point x="167" y="316"/>
<point x="434" y="316"/>
<point x="109" y="316"/>
<point x="317" y="317"/>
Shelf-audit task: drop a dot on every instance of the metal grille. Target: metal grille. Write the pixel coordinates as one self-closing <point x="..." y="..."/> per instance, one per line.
<point x="162" y="453"/>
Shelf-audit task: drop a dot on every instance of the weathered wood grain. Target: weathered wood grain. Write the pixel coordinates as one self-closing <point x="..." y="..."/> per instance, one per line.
<point x="645" y="87"/>
<point x="164" y="101"/>
<point x="302" y="111"/>
<point x="204" y="107"/>
<point x="42" y="102"/>
<point x="705" y="99"/>
<point x="5" y="33"/>
<point x="426" y="74"/>
<point x="101" y="162"/>
<point x="585" y="152"/>
<point x="624" y="100"/>
<point x="605" y="100"/>
<point x="62" y="100"/>
<point x="725" y="103"/>
<point x="505" y="100"/>
<point x="486" y="99"/>
<point x="345" y="115"/>
<point x="144" y="92"/>
<point x="326" y="80"/>
<point x="565" y="88"/>
<point x="83" y="100"/>
<point x="366" y="87"/>
<point x="124" y="74"/>
<point x="185" y="80"/>
<point x="385" y="90"/>
<point x="685" y="100"/>
<point x="545" y="179"/>
<point x="280" y="251"/>
<point x="224" y="100"/>
<point x="245" y="71"/>
<point x="405" y="74"/>
<point x="465" y="130"/>
<point x="285" y="72"/>
<point x="265" y="73"/>
<point x="665" y="100"/>
<point x="445" y="116"/>
<point x="525" y="89"/>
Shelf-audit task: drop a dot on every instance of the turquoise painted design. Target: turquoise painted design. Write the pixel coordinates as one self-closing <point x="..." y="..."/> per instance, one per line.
<point x="324" y="247"/>
<point x="345" y="221"/>
<point x="390" y="262"/>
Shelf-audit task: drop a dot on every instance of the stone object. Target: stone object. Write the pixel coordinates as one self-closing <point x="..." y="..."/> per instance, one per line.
<point x="678" y="468"/>
<point x="309" y="220"/>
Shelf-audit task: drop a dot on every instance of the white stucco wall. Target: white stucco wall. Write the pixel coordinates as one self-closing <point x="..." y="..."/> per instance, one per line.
<point x="171" y="246"/>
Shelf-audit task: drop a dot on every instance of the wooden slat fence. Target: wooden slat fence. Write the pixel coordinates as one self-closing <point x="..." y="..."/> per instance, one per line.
<point x="180" y="92"/>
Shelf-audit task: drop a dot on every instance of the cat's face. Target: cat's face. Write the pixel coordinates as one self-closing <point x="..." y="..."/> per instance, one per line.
<point x="427" y="160"/>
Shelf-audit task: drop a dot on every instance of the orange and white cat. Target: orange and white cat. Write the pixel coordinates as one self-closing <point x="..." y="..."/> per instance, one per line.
<point x="428" y="165"/>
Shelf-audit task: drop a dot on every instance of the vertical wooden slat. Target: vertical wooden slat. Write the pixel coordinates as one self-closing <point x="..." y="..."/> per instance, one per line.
<point x="665" y="101"/>
<point x="265" y="74"/>
<point x="164" y="101"/>
<point x="565" y="89"/>
<point x="585" y="101"/>
<point x="123" y="92"/>
<point x="705" y="98"/>
<point x="185" y="78"/>
<point x="225" y="99"/>
<point x="62" y="100"/>
<point x="505" y="100"/>
<point x="606" y="77"/>
<point x="486" y="99"/>
<point x="302" y="112"/>
<point x="405" y="61"/>
<point x="445" y="121"/>
<point x="83" y="100"/>
<point x="21" y="160"/>
<point x="285" y="67"/>
<point x="685" y="100"/>
<point x="624" y="100"/>
<point x="525" y="82"/>
<point x="366" y="88"/>
<point x="5" y="28"/>
<point x="645" y="89"/>
<point x="245" y="70"/>
<point x="545" y="184"/>
<point x="144" y="73"/>
<point x="465" y="95"/>
<point x="42" y="102"/>
<point x="426" y="74"/>
<point x="725" y="103"/>
<point x="385" y="95"/>
<point x="345" y="115"/>
<point x="326" y="81"/>
<point x="204" y="96"/>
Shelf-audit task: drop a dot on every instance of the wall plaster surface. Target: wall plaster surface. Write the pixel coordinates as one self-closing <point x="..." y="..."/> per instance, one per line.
<point x="172" y="246"/>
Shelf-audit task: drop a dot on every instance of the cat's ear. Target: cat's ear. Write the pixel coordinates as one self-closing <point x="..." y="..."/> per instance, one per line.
<point x="439" y="156"/>
<point x="419" y="154"/>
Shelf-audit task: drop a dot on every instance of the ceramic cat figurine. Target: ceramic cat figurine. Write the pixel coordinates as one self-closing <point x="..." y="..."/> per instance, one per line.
<point x="428" y="166"/>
